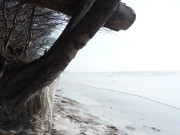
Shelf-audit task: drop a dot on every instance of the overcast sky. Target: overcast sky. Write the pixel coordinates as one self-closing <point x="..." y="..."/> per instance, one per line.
<point x="151" y="43"/>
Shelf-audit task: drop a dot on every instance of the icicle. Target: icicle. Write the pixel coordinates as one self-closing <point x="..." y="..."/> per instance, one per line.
<point x="50" y="111"/>
<point x="47" y="100"/>
<point x="42" y="102"/>
<point x="50" y="95"/>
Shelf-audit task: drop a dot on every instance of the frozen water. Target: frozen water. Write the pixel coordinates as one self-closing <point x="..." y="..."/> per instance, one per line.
<point x="140" y="103"/>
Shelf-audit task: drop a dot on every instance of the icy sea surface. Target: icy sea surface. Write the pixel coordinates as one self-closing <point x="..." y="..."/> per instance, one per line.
<point x="138" y="103"/>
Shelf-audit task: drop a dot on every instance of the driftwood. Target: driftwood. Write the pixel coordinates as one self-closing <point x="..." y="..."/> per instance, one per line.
<point x="121" y="19"/>
<point x="88" y="16"/>
<point x="18" y="86"/>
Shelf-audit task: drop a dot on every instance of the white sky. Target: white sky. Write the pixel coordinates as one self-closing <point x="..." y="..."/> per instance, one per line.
<point x="151" y="43"/>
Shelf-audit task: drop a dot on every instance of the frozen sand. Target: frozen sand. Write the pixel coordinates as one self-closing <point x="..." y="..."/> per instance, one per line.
<point x="70" y="119"/>
<point x="136" y="103"/>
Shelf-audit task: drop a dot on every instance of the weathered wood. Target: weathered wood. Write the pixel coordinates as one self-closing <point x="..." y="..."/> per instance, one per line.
<point x="17" y="88"/>
<point x="121" y="19"/>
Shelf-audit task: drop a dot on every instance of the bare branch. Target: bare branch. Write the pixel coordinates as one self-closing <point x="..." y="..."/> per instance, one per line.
<point x="29" y="30"/>
<point x="13" y="26"/>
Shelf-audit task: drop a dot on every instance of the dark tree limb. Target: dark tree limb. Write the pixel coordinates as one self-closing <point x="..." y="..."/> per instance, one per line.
<point x="2" y="68"/>
<point x="121" y="19"/>
<point x="78" y="15"/>
<point x="19" y="86"/>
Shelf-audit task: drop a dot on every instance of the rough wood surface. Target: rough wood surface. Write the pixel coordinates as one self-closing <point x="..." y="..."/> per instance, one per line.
<point x="121" y="19"/>
<point x="17" y="87"/>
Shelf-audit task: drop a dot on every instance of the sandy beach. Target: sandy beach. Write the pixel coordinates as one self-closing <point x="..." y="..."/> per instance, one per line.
<point x="69" y="119"/>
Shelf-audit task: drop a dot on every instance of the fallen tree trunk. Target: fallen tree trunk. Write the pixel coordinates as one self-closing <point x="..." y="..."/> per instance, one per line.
<point x="17" y="87"/>
<point x="121" y="19"/>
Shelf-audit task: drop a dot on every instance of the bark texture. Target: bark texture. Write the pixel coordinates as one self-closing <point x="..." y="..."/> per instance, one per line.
<point x="121" y="19"/>
<point x="18" y="86"/>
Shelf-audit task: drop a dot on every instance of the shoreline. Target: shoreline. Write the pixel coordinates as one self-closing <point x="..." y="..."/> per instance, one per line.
<point x="69" y="119"/>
